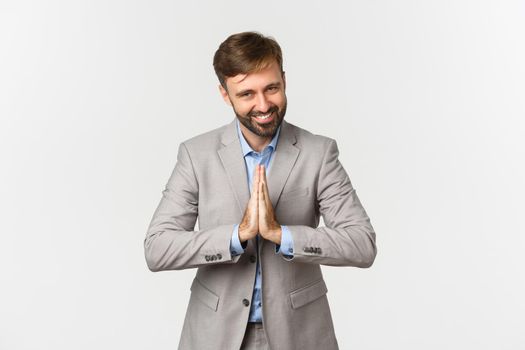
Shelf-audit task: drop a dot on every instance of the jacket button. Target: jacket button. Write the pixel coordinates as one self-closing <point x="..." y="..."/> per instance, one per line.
<point x="246" y="302"/>
<point x="253" y="258"/>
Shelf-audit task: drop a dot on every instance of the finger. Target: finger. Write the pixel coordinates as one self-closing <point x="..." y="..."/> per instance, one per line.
<point x="260" y="209"/>
<point x="263" y="173"/>
<point x="265" y="184"/>
<point x="267" y="194"/>
<point x="258" y="174"/>
<point x="262" y="177"/>
<point x="261" y="194"/>
<point x="256" y="200"/>
<point x="254" y="179"/>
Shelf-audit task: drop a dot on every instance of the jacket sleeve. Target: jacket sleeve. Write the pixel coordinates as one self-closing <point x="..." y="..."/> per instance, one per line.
<point x="348" y="238"/>
<point x="171" y="242"/>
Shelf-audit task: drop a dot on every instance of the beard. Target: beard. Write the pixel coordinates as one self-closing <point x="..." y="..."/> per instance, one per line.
<point x="263" y="130"/>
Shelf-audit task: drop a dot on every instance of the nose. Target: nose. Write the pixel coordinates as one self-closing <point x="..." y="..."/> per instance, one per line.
<point x="262" y="104"/>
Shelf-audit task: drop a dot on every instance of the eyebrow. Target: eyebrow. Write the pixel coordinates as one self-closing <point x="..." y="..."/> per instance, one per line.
<point x="242" y="92"/>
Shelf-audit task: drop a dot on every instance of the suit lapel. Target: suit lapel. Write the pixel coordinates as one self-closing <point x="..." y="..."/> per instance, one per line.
<point x="233" y="162"/>
<point x="284" y="158"/>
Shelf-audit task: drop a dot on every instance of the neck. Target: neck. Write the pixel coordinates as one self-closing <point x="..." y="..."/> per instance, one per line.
<point x="256" y="142"/>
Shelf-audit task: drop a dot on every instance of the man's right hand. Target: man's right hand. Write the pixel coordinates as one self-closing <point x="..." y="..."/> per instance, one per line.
<point x="249" y="226"/>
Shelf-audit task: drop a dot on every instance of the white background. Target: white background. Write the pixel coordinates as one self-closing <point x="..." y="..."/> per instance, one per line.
<point x="425" y="99"/>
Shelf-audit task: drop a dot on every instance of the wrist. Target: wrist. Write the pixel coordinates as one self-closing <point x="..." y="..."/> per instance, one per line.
<point x="277" y="235"/>
<point x="241" y="235"/>
<point x="244" y="235"/>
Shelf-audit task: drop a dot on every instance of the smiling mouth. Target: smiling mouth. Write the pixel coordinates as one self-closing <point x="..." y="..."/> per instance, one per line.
<point x="265" y="118"/>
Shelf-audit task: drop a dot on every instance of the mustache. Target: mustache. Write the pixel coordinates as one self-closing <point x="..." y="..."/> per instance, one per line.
<point x="257" y="114"/>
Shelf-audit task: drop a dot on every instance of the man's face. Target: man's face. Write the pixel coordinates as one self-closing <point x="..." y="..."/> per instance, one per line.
<point x="258" y="99"/>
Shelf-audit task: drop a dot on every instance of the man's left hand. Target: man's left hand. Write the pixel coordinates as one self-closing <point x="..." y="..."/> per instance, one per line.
<point x="269" y="228"/>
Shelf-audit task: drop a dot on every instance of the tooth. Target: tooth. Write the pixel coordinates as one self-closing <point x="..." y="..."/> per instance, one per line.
<point x="263" y="116"/>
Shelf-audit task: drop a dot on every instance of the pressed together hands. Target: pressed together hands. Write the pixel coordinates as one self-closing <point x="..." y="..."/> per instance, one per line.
<point x="259" y="216"/>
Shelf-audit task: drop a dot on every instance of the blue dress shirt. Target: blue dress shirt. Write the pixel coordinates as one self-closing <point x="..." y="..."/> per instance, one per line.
<point x="251" y="159"/>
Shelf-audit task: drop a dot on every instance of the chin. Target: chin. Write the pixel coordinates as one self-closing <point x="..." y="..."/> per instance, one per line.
<point x="266" y="131"/>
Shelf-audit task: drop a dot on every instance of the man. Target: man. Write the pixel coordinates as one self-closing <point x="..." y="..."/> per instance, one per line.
<point x="258" y="186"/>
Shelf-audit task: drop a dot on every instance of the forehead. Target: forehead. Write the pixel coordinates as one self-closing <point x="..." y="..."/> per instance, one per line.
<point x="268" y="75"/>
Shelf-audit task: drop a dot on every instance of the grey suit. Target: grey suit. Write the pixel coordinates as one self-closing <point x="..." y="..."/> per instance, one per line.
<point x="305" y="180"/>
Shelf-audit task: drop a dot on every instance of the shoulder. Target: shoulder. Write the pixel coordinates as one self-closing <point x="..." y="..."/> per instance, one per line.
<point x="307" y="140"/>
<point x="207" y="141"/>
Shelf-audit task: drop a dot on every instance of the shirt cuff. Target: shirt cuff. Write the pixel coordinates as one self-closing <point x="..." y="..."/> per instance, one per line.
<point x="286" y="246"/>
<point x="235" y="244"/>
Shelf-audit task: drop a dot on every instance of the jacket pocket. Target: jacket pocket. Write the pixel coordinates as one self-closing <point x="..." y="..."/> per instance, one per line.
<point x="294" y="193"/>
<point x="307" y="294"/>
<point x="206" y="296"/>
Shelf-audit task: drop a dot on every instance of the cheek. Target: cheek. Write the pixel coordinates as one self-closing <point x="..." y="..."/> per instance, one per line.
<point x="279" y="99"/>
<point x="241" y="109"/>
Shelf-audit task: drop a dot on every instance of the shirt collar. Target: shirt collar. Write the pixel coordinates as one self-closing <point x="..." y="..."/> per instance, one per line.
<point x="246" y="149"/>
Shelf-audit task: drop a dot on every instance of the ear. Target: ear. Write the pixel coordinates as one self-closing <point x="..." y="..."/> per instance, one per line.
<point x="284" y="81"/>
<point x="225" y="95"/>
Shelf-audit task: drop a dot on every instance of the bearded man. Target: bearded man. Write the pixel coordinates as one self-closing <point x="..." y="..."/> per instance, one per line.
<point x="258" y="186"/>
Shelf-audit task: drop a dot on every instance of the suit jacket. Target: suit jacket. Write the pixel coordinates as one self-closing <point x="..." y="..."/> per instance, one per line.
<point x="209" y="183"/>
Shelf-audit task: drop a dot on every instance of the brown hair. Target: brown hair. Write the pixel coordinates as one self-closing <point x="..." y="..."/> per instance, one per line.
<point x="245" y="53"/>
